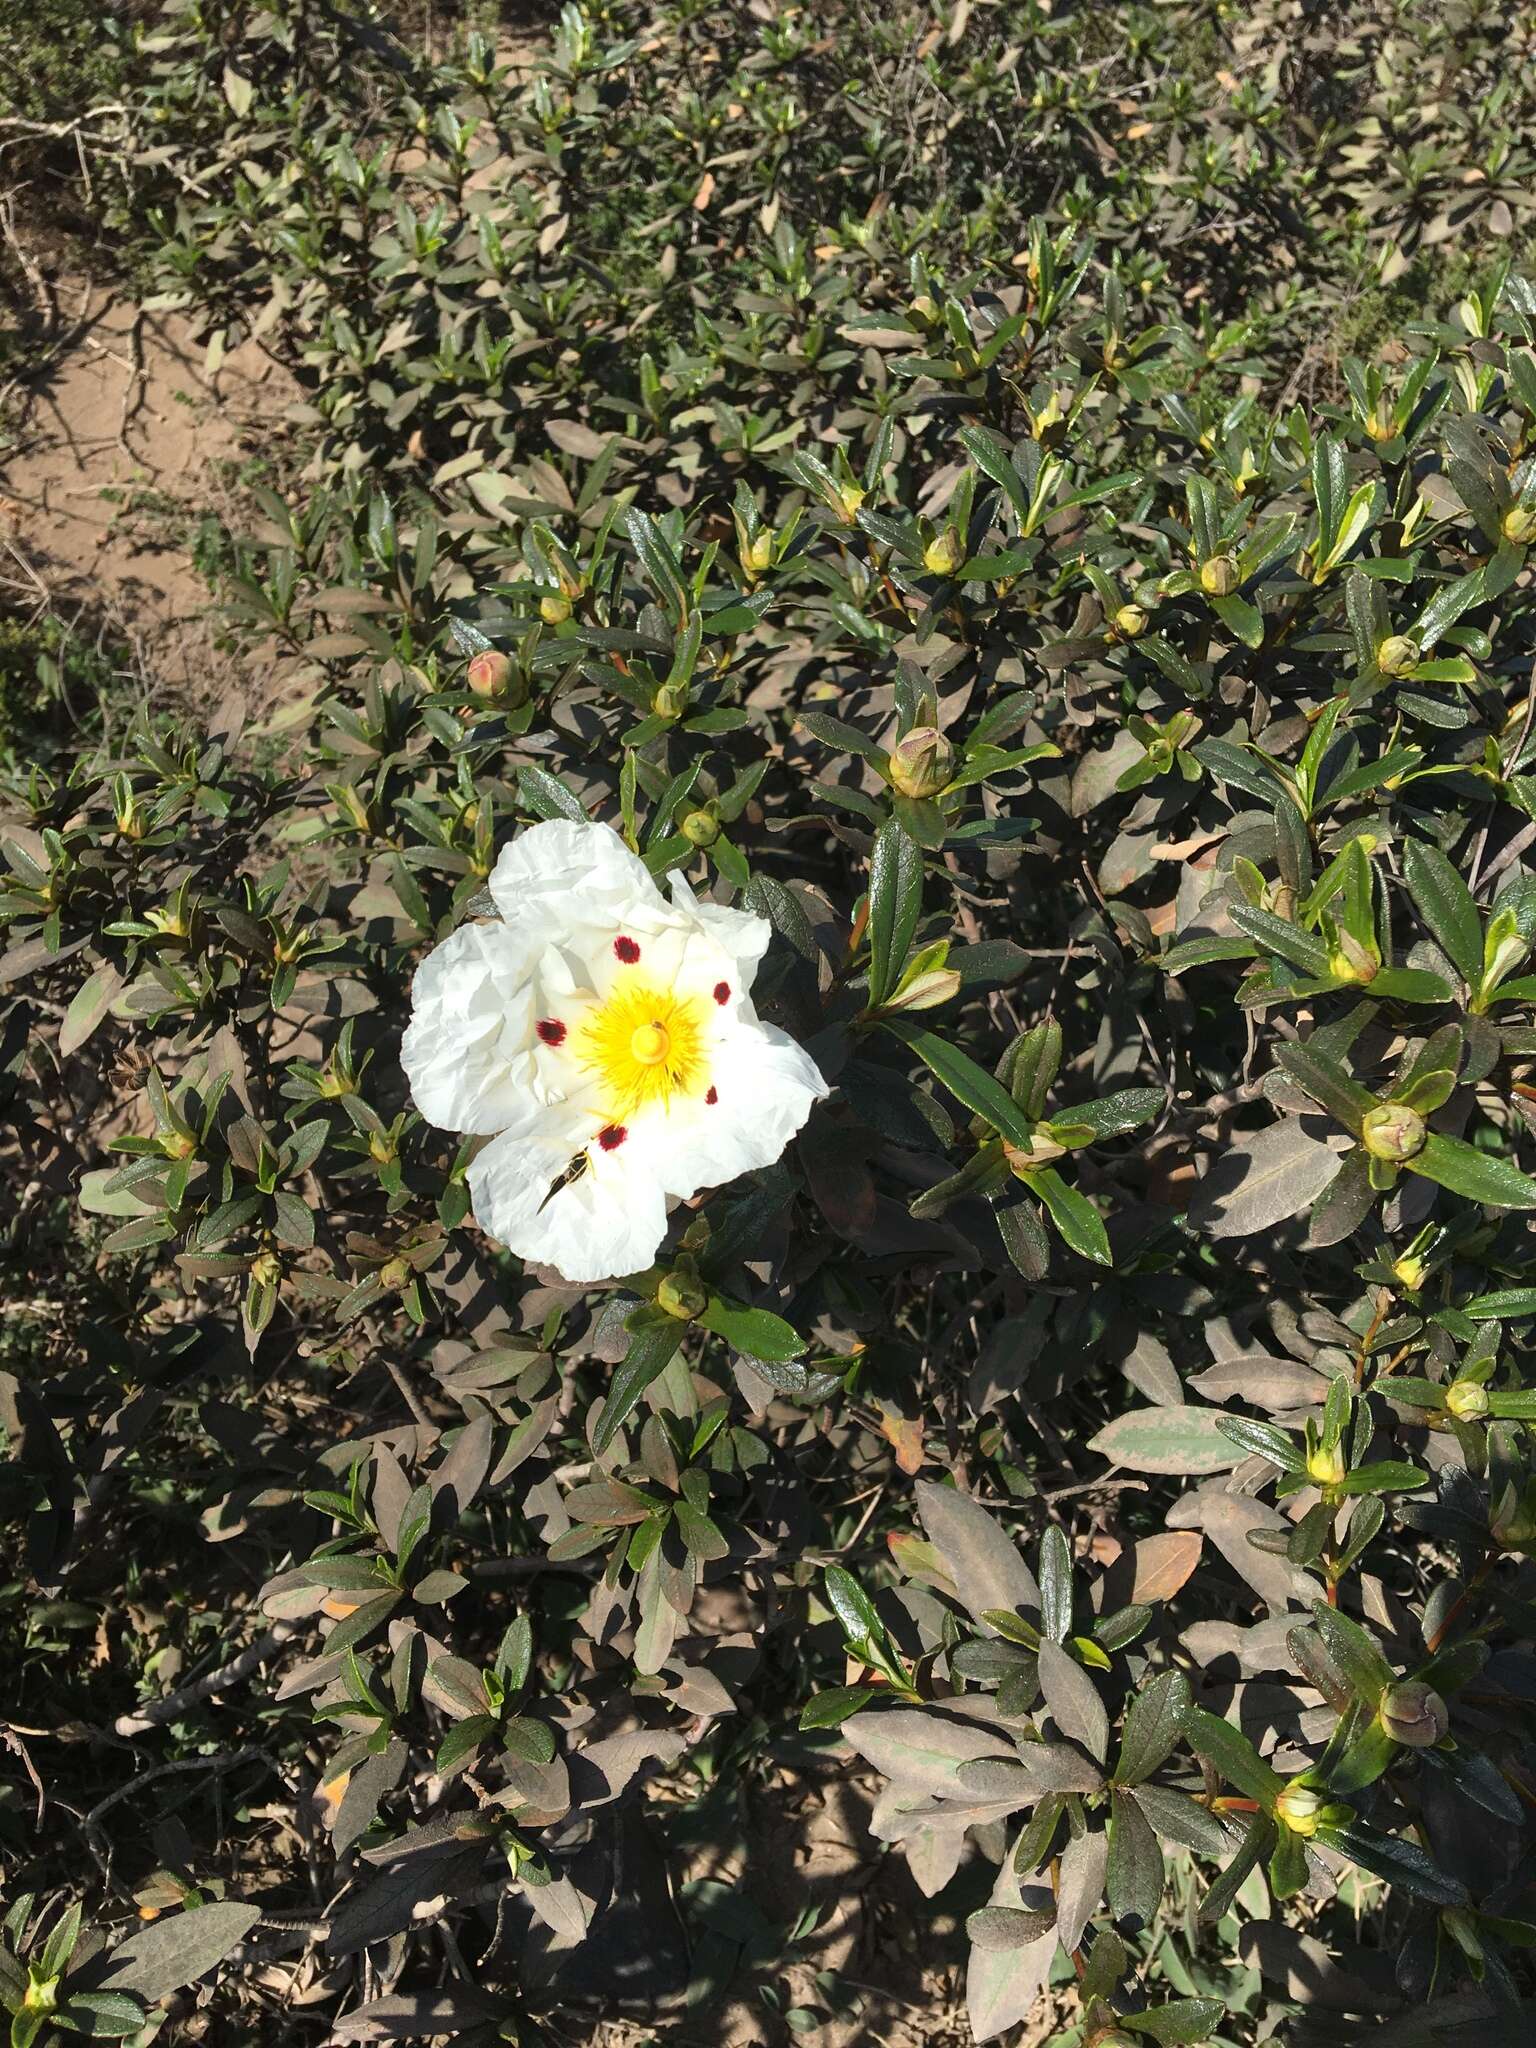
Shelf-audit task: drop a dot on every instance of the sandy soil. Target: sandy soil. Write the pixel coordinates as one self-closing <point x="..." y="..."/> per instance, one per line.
<point x="125" y="442"/>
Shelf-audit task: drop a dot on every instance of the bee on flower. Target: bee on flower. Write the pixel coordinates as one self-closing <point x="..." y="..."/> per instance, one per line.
<point x="602" y="1037"/>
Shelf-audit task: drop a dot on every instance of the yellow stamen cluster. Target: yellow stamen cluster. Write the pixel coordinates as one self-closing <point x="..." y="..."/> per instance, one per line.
<point x="646" y="1044"/>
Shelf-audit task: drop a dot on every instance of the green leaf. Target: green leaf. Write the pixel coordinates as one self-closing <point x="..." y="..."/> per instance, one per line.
<point x="1079" y="1223"/>
<point x="1181" y="2020"/>
<point x="1400" y="1862"/>
<point x="1154" y="1723"/>
<point x="652" y="1348"/>
<point x="1479" y="1176"/>
<point x="1265" y="1439"/>
<point x="1445" y="903"/>
<point x="88" y="1007"/>
<point x="1055" y="1575"/>
<point x="830" y="1709"/>
<point x="1328" y="1083"/>
<point x="1233" y="1755"/>
<point x="895" y="904"/>
<point x="967" y="1082"/>
<point x="754" y="1331"/>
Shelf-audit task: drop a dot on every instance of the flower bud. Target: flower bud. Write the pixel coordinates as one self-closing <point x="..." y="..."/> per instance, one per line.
<point x="1220" y="576"/>
<point x="1397" y="655"/>
<point x="944" y="553"/>
<point x="670" y="701"/>
<point x="1040" y="1151"/>
<point x="922" y="762"/>
<point x="682" y="1294"/>
<point x="851" y="497"/>
<point x="554" y="608"/>
<point x="489" y="673"/>
<point x="1131" y="621"/>
<point x="1393" y="1131"/>
<point x="923" y="311"/>
<point x="266" y="1269"/>
<point x="1519" y="524"/>
<point x="1325" y="1466"/>
<point x="1299" y="1808"/>
<point x="1466" y="1400"/>
<point x="1382" y="423"/>
<point x="926" y="991"/>
<point x="700" y="828"/>
<point x="757" y="555"/>
<point x="178" y="1144"/>
<point x="1349" y="961"/>
<point x="1409" y="1272"/>
<point x="1414" y="1713"/>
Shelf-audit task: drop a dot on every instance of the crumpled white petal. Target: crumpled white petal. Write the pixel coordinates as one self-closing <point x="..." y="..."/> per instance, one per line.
<point x="604" y="1225"/>
<point x="527" y="1031"/>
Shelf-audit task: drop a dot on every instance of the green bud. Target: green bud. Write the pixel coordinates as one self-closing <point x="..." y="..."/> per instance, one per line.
<point x="922" y="763"/>
<point x="1299" y="1808"/>
<point x="1326" y="1467"/>
<point x="923" y="311"/>
<point x="682" y="1294"/>
<point x="1466" y="1400"/>
<point x="944" y="553"/>
<point x="1131" y="621"/>
<point x="1397" y="655"/>
<point x="1519" y="524"/>
<point x="554" y="608"/>
<point x="1393" y="1131"/>
<point x="1220" y="576"/>
<point x="757" y="555"/>
<point x="1413" y="1713"/>
<point x="670" y="701"/>
<point x="700" y="828"/>
<point x="1409" y="1272"/>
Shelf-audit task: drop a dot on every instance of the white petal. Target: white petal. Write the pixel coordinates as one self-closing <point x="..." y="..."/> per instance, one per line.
<point x="606" y="1224"/>
<point x="740" y="935"/>
<point x="562" y="873"/>
<point x="466" y="1049"/>
<point x="765" y="1087"/>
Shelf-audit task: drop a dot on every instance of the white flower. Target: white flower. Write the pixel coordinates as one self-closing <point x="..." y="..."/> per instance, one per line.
<point x="604" y="1040"/>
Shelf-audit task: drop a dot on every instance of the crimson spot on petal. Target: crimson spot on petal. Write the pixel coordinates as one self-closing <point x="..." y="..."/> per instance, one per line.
<point x="551" y="1030"/>
<point x="712" y="1097"/>
<point x="627" y="951"/>
<point x="722" y="991"/>
<point x="611" y="1136"/>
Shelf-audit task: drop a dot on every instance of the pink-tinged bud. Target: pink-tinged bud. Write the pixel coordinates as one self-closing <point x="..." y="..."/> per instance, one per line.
<point x="1413" y="1713"/>
<point x="922" y="763"/>
<point x="489" y="673"/>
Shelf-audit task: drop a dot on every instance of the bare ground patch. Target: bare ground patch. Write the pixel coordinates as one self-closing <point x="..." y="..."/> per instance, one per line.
<point x="126" y="443"/>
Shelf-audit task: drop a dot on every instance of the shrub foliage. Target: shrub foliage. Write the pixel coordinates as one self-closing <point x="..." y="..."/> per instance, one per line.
<point x="1039" y="507"/>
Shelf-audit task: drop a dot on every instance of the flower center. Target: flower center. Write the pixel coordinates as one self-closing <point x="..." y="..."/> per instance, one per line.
<point x="650" y="1044"/>
<point x="645" y="1043"/>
